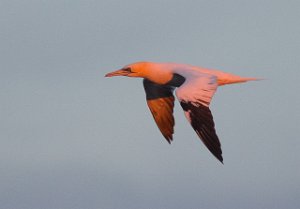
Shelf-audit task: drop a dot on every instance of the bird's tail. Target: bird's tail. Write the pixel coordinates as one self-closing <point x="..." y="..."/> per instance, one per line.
<point x="232" y="79"/>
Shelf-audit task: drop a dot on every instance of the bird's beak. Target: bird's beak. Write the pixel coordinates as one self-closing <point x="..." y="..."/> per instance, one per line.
<point x="122" y="72"/>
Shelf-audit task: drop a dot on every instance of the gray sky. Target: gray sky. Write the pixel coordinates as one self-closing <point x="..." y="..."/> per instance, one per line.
<point x="72" y="139"/>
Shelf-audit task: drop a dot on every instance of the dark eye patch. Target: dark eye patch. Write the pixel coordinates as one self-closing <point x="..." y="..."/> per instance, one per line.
<point x="128" y="69"/>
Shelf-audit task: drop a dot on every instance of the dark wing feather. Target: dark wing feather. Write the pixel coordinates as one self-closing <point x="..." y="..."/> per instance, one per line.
<point x="202" y="122"/>
<point x="160" y="101"/>
<point x="162" y="111"/>
<point x="195" y="96"/>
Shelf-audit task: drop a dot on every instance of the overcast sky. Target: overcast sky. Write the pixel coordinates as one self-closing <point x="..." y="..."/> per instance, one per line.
<point x="72" y="139"/>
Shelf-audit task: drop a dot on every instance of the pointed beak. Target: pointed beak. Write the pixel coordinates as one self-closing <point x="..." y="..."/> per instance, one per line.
<point x="122" y="72"/>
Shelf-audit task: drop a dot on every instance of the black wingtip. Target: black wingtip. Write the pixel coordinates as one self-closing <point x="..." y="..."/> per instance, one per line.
<point x="169" y="139"/>
<point x="202" y="122"/>
<point x="220" y="158"/>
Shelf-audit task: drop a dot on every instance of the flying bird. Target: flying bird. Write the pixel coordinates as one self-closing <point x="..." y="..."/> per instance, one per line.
<point x="195" y="89"/>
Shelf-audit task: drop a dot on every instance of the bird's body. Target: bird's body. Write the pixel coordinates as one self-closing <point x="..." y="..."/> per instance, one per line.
<point x="195" y="89"/>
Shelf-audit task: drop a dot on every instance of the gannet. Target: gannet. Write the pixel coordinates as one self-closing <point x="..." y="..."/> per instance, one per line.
<point x="195" y="89"/>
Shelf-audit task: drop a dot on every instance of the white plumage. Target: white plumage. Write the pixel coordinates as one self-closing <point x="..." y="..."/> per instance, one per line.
<point x="195" y="89"/>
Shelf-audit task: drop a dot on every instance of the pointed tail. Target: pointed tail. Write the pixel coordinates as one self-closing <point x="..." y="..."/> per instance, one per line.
<point x="232" y="79"/>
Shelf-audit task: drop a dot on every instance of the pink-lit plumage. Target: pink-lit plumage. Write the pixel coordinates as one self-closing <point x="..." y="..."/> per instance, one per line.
<point x="195" y="89"/>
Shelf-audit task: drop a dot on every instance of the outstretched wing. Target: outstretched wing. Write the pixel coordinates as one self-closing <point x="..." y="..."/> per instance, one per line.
<point x="160" y="101"/>
<point x="194" y="97"/>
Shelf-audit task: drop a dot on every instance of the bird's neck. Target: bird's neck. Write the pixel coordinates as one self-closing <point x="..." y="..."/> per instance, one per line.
<point x="158" y="73"/>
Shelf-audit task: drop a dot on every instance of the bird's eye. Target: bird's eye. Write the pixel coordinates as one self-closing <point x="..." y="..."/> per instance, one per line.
<point x="128" y="69"/>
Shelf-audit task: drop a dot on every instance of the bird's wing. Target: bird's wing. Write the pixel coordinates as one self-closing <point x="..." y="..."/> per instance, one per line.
<point x="194" y="96"/>
<point x="160" y="101"/>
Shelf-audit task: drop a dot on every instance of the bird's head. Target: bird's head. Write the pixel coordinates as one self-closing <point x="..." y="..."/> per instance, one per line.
<point x="133" y="70"/>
